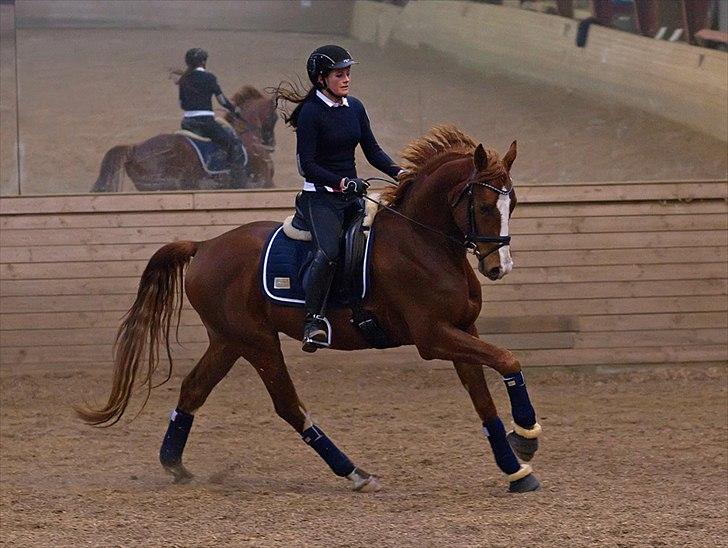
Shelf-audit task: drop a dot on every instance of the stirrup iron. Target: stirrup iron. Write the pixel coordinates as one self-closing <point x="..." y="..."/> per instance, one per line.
<point x="316" y="334"/>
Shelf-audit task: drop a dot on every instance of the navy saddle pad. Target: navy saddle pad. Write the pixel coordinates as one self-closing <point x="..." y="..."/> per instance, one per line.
<point x="284" y="267"/>
<point x="212" y="157"/>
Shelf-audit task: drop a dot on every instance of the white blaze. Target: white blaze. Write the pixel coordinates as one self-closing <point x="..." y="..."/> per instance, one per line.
<point x="504" y="206"/>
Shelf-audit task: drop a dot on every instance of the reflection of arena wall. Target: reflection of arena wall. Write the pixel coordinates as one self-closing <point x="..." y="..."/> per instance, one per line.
<point x="608" y="273"/>
<point x="683" y="83"/>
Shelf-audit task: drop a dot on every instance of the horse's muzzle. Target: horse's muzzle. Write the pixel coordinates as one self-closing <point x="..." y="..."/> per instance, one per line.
<point x="494" y="272"/>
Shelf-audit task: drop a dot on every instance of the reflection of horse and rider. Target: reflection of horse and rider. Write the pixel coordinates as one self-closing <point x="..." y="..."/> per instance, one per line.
<point x="197" y="86"/>
<point x="206" y="154"/>
<point x="252" y="283"/>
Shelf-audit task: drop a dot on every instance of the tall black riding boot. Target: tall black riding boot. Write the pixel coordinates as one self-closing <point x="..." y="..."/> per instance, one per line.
<point x="320" y="275"/>
<point x="238" y="164"/>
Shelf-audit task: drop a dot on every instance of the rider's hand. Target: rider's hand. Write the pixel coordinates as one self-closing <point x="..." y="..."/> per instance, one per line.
<point x="356" y="186"/>
<point x="238" y="113"/>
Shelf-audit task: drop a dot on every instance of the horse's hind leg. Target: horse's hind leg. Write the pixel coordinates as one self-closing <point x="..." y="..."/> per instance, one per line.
<point x="197" y="385"/>
<point x="519" y="475"/>
<point x="267" y="359"/>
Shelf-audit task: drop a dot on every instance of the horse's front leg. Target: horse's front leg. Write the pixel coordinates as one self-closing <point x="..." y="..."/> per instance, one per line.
<point x="447" y="342"/>
<point x="520" y="476"/>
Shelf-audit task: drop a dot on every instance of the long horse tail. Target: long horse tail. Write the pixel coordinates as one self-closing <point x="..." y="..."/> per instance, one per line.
<point x="112" y="166"/>
<point x="147" y="323"/>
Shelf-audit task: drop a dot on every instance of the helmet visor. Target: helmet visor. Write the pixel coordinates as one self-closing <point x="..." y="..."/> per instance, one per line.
<point x="345" y="63"/>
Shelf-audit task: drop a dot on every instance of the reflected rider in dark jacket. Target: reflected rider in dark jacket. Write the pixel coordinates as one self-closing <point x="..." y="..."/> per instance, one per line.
<point x="197" y="86"/>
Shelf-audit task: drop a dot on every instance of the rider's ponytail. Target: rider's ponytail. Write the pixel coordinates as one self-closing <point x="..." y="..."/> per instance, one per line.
<point x="179" y="74"/>
<point x="291" y="93"/>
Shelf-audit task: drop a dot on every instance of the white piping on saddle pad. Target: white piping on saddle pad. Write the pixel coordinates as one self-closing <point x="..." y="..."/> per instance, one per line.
<point x="192" y="135"/>
<point x="304" y="235"/>
<point x="202" y="160"/>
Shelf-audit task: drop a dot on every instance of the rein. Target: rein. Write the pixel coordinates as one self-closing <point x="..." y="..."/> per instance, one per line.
<point x="472" y="238"/>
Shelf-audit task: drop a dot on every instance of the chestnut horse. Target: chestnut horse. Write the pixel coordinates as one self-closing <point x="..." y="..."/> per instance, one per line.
<point x="456" y="196"/>
<point x="168" y="161"/>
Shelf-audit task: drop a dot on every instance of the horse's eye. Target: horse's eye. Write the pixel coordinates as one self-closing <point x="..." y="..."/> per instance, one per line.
<point x="487" y="209"/>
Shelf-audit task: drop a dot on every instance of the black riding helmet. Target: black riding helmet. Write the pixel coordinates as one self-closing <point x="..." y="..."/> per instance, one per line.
<point x="195" y="57"/>
<point x="325" y="59"/>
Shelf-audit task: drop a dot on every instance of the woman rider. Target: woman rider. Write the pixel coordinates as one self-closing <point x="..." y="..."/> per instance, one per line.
<point x="196" y="88"/>
<point x="329" y="124"/>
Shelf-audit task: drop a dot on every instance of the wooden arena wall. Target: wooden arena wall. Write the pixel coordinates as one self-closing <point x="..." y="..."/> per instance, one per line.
<point x="607" y="273"/>
<point x="677" y="81"/>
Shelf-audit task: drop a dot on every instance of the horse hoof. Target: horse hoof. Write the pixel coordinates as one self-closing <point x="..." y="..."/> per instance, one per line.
<point x="524" y="448"/>
<point x="368" y="485"/>
<point x="364" y="482"/>
<point x="179" y="472"/>
<point x="525" y="485"/>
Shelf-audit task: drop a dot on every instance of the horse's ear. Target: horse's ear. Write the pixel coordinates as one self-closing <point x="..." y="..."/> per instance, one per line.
<point x="510" y="156"/>
<point x="480" y="158"/>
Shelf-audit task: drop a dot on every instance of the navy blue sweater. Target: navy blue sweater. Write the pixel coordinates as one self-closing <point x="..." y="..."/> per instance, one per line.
<point x="326" y="138"/>
<point x="196" y="90"/>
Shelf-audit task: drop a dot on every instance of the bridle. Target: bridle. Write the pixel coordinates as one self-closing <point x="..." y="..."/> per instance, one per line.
<point x="472" y="238"/>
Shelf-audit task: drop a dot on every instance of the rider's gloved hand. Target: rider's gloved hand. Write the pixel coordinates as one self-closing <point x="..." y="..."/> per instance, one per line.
<point x="356" y="186"/>
<point x="238" y="113"/>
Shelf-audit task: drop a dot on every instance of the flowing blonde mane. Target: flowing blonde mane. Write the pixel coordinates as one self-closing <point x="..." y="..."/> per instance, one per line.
<point x="425" y="154"/>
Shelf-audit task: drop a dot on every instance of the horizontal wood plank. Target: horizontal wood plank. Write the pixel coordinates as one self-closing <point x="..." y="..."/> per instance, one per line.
<point x="519" y="227"/>
<point x="541" y="242"/>
<point x="132" y="219"/>
<point x="496" y="306"/>
<point x="48" y="321"/>
<point x="625" y="356"/>
<point x="523" y="259"/>
<point x="546" y="192"/>
<point x="629" y="322"/>
<point x="196" y="336"/>
<point x="652" y="337"/>
<point x="93" y="355"/>
<point x="624" y="272"/>
<point x="515" y="341"/>
<point x="586" y="306"/>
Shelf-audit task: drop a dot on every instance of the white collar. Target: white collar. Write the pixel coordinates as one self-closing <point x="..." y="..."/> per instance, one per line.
<point x="200" y="68"/>
<point x="329" y="102"/>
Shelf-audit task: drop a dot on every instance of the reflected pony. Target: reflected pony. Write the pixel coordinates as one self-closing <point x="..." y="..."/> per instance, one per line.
<point x="170" y="161"/>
